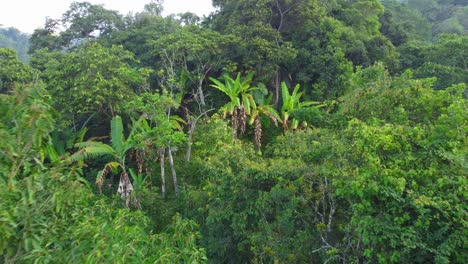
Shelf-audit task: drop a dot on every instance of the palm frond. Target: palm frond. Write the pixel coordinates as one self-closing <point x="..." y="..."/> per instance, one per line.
<point x="80" y="134"/>
<point x="286" y="97"/>
<point x="255" y="113"/>
<point x="111" y="166"/>
<point x="296" y="90"/>
<point x="310" y="103"/>
<point x="218" y="85"/>
<point x="91" y="149"/>
<point x="271" y="112"/>
<point x="177" y="121"/>
<point x="117" y="136"/>
<point x="247" y="106"/>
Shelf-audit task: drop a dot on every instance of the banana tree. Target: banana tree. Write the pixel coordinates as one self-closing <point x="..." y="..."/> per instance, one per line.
<point x="291" y="102"/>
<point x="241" y="99"/>
<point x="162" y="135"/>
<point x="157" y="131"/>
<point x="263" y="108"/>
<point x="117" y="150"/>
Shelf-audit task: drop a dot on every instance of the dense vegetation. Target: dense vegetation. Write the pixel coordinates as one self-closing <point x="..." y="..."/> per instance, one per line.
<point x="272" y="131"/>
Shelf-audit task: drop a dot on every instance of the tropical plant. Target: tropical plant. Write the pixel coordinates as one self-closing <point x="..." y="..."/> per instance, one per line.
<point x="117" y="150"/>
<point x="157" y="129"/>
<point x="265" y="108"/>
<point x="93" y="80"/>
<point x="291" y="102"/>
<point x="241" y="99"/>
<point x="13" y="70"/>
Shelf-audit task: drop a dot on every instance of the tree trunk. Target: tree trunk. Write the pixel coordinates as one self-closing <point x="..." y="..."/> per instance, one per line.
<point x="163" y="176"/>
<point x="277" y="89"/>
<point x="192" y="123"/>
<point x="206" y="69"/>
<point x="173" y="171"/>
<point x="125" y="187"/>
<point x="200" y="93"/>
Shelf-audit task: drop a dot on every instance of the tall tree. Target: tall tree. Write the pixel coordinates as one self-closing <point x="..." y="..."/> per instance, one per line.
<point x="191" y="52"/>
<point x="84" y="20"/>
<point x="94" y="79"/>
<point x="12" y="70"/>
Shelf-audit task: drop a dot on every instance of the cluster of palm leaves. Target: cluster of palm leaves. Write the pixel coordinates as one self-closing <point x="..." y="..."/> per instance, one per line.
<point x="117" y="150"/>
<point x="292" y="102"/>
<point x="243" y="103"/>
<point x="142" y="135"/>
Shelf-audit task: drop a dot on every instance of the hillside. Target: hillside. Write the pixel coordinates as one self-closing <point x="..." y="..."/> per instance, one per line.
<point x="273" y="131"/>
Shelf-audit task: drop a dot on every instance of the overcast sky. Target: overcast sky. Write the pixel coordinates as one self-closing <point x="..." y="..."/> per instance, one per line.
<point x="27" y="15"/>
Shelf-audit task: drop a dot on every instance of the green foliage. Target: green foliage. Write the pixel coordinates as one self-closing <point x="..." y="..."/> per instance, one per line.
<point x="401" y="23"/>
<point x="376" y="174"/>
<point x="239" y="92"/>
<point x="155" y="127"/>
<point x="26" y="122"/>
<point x="260" y="26"/>
<point x="142" y="29"/>
<point x="92" y="79"/>
<point x="400" y="214"/>
<point x="83" y="19"/>
<point x="118" y="151"/>
<point x="211" y="137"/>
<point x="404" y="170"/>
<point x="327" y="51"/>
<point x="444" y="16"/>
<point x="55" y="218"/>
<point x="242" y="102"/>
<point x="81" y="22"/>
<point x="444" y="59"/>
<point x="387" y="188"/>
<point x="291" y="103"/>
<point x="362" y="15"/>
<point x="45" y="38"/>
<point x="446" y="75"/>
<point x="49" y="214"/>
<point x="256" y="209"/>
<point x="192" y="53"/>
<point x="12" y="70"/>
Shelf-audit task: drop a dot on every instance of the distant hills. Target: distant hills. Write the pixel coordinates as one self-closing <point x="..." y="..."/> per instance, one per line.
<point x="432" y="17"/>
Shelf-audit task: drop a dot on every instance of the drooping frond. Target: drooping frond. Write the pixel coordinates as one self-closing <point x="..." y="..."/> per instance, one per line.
<point x="111" y="166"/>
<point x="91" y="149"/>
<point x="310" y="103"/>
<point x="177" y="121"/>
<point x="228" y="109"/>
<point x="229" y="87"/>
<point x="271" y="112"/>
